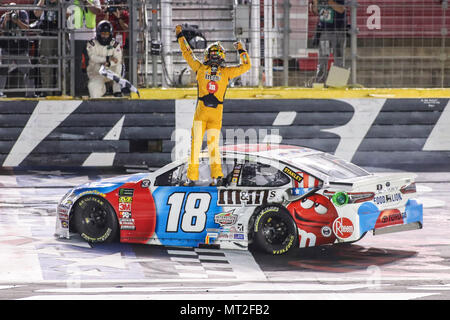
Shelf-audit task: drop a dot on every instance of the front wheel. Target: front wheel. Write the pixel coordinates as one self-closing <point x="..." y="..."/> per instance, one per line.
<point x="95" y="220"/>
<point x="275" y="231"/>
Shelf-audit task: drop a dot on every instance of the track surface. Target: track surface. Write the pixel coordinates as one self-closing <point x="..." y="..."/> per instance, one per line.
<point x="34" y="265"/>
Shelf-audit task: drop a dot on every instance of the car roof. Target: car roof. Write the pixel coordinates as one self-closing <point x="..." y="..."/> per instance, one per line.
<point x="280" y="152"/>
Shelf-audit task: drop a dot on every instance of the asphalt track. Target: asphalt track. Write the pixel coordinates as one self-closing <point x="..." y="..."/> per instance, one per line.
<point x="36" y="266"/>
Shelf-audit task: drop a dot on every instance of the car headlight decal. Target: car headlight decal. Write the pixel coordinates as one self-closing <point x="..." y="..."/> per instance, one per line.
<point x="340" y="198"/>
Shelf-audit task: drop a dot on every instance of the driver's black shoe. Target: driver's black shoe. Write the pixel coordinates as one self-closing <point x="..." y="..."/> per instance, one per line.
<point x="189" y="183"/>
<point x="218" y="182"/>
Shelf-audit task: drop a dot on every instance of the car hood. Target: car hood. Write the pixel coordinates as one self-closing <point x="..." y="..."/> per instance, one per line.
<point x="110" y="184"/>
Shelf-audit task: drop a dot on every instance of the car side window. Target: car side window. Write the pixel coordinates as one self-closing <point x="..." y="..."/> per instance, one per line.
<point x="177" y="176"/>
<point x="204" y="171"/>
<point x="169" y="178"/>
<point x="255" y="174"/>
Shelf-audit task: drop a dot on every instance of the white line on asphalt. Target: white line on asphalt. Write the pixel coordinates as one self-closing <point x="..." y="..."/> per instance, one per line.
<point x="219" y="258"/>
<point x="220" y="273"/>
<point x="193" y="275"/>
<point x="239" y="296"/>
<point x="181" y="259"/>
<point x="192" y="268"/>
<point x="182" y="252"/>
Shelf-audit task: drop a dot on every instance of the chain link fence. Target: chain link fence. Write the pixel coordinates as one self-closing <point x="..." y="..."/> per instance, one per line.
<point x="296" y="43"/>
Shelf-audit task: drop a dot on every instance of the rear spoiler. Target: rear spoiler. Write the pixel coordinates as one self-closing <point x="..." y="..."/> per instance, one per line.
<point x="362" y="181"/>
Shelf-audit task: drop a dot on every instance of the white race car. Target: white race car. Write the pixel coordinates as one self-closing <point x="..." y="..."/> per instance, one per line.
<point x="277" y="196"/>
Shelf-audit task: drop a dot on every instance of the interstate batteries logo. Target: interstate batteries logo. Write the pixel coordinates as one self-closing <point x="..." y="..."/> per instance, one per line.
<point x="343" y="228"/>
<point x="226" y="218"/>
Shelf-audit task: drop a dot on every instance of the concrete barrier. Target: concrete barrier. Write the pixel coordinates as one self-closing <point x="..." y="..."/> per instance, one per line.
<point x="372" y="130"/>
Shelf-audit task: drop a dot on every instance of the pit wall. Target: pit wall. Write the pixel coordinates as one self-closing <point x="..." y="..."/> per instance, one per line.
<point x="394" y="129"/>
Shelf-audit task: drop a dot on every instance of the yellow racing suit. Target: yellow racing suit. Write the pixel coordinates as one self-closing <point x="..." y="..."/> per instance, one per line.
<point x="211" y="88"/>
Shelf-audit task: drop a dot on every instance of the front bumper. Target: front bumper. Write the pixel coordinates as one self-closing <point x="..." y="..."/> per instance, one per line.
<point x="63" y="210"/>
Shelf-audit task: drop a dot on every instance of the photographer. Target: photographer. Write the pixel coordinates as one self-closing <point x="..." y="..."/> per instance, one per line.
<point x="48" y="48"/>
<point x="15" y="51"/>
<point x="116" y="12"/>
<point x="330" y="34"/>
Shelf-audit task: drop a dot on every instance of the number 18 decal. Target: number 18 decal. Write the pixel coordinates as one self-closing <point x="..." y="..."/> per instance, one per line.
<point x="193" y="219"/>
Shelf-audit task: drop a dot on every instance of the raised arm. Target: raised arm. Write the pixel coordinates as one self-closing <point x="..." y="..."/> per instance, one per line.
<point x="245" y="65"/>
<point x="186" y="50"/>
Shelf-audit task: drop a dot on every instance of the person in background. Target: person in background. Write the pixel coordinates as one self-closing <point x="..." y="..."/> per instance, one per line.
<point x="105" y="51"/>
<point x="15" y="51"/>
<point x="330" y="33"/>
<point x="48" y="48"/>
<point x="83" y="18"/>
<point x="116" y="12"/>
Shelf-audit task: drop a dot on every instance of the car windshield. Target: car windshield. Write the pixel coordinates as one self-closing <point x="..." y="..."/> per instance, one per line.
<point x="331" y="166"/>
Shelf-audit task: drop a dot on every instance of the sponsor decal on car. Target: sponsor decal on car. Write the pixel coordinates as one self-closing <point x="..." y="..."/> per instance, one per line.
<point x="326" y="231"/>
<point x="343" y="228"/>
<point x="239" y="197"/>
<point x="95" y="192"/>
<point x="145" y="183"/>
<point x="126" y="192"/>
<point x="124" y="206"/>
<point x="226" y="218"/>
<point x="126" y="221"/>
<point x="390" y="217"/>
<point x="125" y="199"/>
<point x="294" y="175"/>
<point x="389" y="198"/>
<point x="314" y="217"/>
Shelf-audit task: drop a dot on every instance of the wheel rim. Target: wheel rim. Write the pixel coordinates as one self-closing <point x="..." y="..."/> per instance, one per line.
<point x="275" y="231"/>
<point x="95" y="220"/>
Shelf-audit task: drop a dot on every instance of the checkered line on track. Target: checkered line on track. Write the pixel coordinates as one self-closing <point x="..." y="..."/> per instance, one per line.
<point x="196" y="263"/>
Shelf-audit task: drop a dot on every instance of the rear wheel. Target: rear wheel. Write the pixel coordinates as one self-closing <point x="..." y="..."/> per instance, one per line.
<point x="95" y="220"/>
<point x="275" y="231"/>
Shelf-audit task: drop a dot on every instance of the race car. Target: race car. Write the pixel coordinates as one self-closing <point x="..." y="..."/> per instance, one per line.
<point x="276" y="197"/>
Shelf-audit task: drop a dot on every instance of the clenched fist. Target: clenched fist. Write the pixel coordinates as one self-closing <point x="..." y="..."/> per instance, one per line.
<point x="178" y="29"/>
<point x="238" y="45"/>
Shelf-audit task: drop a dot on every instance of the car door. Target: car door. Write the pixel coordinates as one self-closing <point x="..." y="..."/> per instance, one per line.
<point x="185" y="214"/>
<point x="259" y="183"/>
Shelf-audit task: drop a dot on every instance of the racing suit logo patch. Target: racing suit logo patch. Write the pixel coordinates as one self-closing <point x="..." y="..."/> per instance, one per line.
<point x="212" y="87"/>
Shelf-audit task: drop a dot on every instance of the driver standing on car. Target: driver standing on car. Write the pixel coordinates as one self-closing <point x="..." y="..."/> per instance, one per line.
<point x="212" y="80"/>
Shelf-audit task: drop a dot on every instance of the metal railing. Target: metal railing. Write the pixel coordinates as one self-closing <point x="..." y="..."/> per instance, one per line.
<point x="394" y="44"/>
<point x="23" y="69"/>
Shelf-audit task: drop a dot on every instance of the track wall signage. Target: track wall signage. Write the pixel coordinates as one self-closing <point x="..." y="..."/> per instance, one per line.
<point x="410" y="134"/>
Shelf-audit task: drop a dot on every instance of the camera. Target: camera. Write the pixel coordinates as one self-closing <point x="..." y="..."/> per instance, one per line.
<point x="111" y="9"/>
<point x="14" y="15"/>
<point x="112" y="5"/>
<point x="194" y="36"/>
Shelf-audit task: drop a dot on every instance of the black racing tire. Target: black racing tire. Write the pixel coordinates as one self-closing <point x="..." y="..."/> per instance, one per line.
<point x="95" y="220"/>
<point x="274" y="230"/>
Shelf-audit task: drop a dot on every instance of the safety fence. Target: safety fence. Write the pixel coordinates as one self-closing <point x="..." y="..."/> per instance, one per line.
<point x="408" y="134"/>
<point x="44" y="44"/>
<point x="391" y="44"/>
